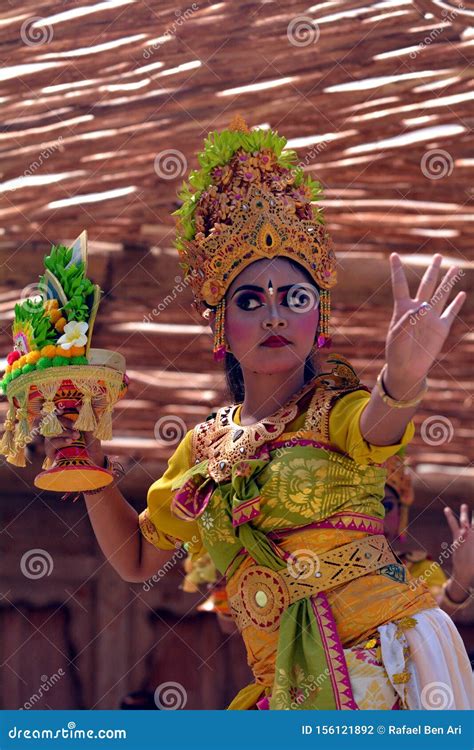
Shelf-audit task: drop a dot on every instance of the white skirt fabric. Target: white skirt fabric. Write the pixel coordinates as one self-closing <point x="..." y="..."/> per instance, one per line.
<point x="431" y="657"/>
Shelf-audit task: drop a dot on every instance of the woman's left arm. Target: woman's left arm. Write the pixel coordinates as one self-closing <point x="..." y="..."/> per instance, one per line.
<point x="418" y="329"/>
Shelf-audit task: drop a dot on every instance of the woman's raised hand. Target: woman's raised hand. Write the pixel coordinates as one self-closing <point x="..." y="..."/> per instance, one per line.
<point x="462" y="545"/>
<point x="420" y="325"/>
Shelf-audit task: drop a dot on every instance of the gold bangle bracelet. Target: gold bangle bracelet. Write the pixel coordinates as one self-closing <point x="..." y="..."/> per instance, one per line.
<point x="387" y="399"/>
<point x="117" y="470"/>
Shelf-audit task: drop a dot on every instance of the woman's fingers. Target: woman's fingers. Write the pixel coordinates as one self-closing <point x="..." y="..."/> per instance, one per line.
<point x="429" y="280"/>
<point x="453" y="308"/>
<point x="399" y="280"/>
<point x="65" y="438"/>
<point x="452" y="522"/>
<point x="464" y="515"/>
<point x="441" y="296"/>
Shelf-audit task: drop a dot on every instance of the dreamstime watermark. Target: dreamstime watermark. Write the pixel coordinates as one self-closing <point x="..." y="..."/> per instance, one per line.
<point x="170" y="696"/>
<point x="445" y="555"/>
<point x="170" y="32"/>
<point x="308" y="688"/>
<point x="179" y="287"/>
<point x="280" y="451"/>
<point x="436" y="164"/>
<point x="302" y="31"/>
<point x="180" y="554"/>
<point x="170" y="164"/>
<point x="38" y="162"/>
<point x="303" y="563"/>
<point x="70" y="732"/>
<point x="36" y="563"/>
<point x="46" y="684"/>
<point x="303" y="297"/>
<point x="44" y="419"/>
<point x="34" y="32"/>
<point x="437" y="696"/>
<point x="169" y="429"/>
<point x="313" y="151"/>
<point x="427" y="306"/>
<point x="437" y="430"/>
<point x="449" y="15"/>
<point x="33" y="295"/>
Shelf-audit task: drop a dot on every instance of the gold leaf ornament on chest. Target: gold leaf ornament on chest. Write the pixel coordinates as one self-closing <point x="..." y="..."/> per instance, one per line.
<point x="230" y="442"/>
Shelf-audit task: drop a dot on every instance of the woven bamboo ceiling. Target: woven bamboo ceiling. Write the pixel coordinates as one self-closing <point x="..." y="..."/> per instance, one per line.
<point x="104" y="106"/>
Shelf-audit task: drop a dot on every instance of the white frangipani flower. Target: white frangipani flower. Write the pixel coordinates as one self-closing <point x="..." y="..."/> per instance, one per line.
<point x="74" y="334"/>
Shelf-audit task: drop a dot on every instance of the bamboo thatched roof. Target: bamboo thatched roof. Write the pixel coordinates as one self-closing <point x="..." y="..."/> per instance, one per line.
<point x="104" y="106"/>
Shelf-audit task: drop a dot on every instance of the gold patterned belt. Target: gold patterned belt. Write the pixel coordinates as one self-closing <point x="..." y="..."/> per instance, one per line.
<point x="263" y="594"/>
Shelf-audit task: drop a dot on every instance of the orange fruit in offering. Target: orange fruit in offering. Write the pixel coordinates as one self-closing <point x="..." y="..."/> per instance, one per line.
<point x="55" y="315"/>
<point x="77" y="351"/>
<point x="32" y="357"/>
<point x="48" y="351"/>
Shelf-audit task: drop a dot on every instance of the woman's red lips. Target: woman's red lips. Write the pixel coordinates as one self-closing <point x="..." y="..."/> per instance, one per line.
<point x="275" y="341"/>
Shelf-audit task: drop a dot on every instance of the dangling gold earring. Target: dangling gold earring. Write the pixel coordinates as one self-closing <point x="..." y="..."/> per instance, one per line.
<point x="324" y="339"/>
<point x="220" y="344"/>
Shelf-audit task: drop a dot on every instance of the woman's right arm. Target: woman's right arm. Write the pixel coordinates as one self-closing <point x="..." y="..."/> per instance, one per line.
<point x="115" y="525"/>
<point x="113" y="519"/>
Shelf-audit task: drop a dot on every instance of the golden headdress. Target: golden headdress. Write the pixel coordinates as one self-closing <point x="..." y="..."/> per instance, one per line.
<point x="399" y="478"/>
<point x="250" y="201"/>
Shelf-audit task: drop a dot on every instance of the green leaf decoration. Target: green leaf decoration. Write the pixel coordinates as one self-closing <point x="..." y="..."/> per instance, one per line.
<point x="77" y="287"/>
<point x="30" y="316"/>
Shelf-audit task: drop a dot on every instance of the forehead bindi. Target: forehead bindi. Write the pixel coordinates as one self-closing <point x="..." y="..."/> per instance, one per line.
<point x="266" y="282"/>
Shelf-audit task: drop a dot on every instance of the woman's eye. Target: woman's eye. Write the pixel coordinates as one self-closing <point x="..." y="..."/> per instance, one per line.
<point x="245" y="301"/>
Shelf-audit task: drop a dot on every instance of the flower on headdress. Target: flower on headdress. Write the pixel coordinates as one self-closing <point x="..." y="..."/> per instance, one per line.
<point x="263" y="160"/>
<point x="212" y="291"/>
<point x="222" y="175"/>
<point x="74" y="334"/>
<point x="199" y="224"/>
<point x="302" y="193"/>
<point x="249" y="174"/>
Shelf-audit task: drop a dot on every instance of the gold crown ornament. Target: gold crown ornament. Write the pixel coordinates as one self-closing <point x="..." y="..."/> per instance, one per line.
<point x="52" y="366"/>
<point x="250" y="201"/>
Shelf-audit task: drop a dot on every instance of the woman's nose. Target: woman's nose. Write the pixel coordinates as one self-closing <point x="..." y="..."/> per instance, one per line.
<point x="275" y="320"/>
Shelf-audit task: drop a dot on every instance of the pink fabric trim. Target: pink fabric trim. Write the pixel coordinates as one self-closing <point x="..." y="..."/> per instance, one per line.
<point x="359" y="522"/>
<point x="263" y="704"/>
<point x="337" y="663"/>
<point x="370" y="524"/>
<point x="192" y="499"/>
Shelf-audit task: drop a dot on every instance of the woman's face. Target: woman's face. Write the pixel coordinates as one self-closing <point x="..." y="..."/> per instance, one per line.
<point x="271" y="298"/>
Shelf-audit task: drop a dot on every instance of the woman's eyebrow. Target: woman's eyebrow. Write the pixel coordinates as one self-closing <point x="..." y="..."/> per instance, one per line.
<point x="255" y="288"/>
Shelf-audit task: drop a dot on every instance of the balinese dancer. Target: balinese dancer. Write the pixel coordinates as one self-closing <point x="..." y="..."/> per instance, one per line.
<point x="454" y="594"/>
<point x="283" y="487"/>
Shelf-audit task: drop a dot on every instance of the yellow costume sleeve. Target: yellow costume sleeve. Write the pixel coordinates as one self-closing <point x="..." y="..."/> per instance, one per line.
<point x="345" y="434"/>
<point x="430" y="571"/>
<point x="157" y="523"/>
